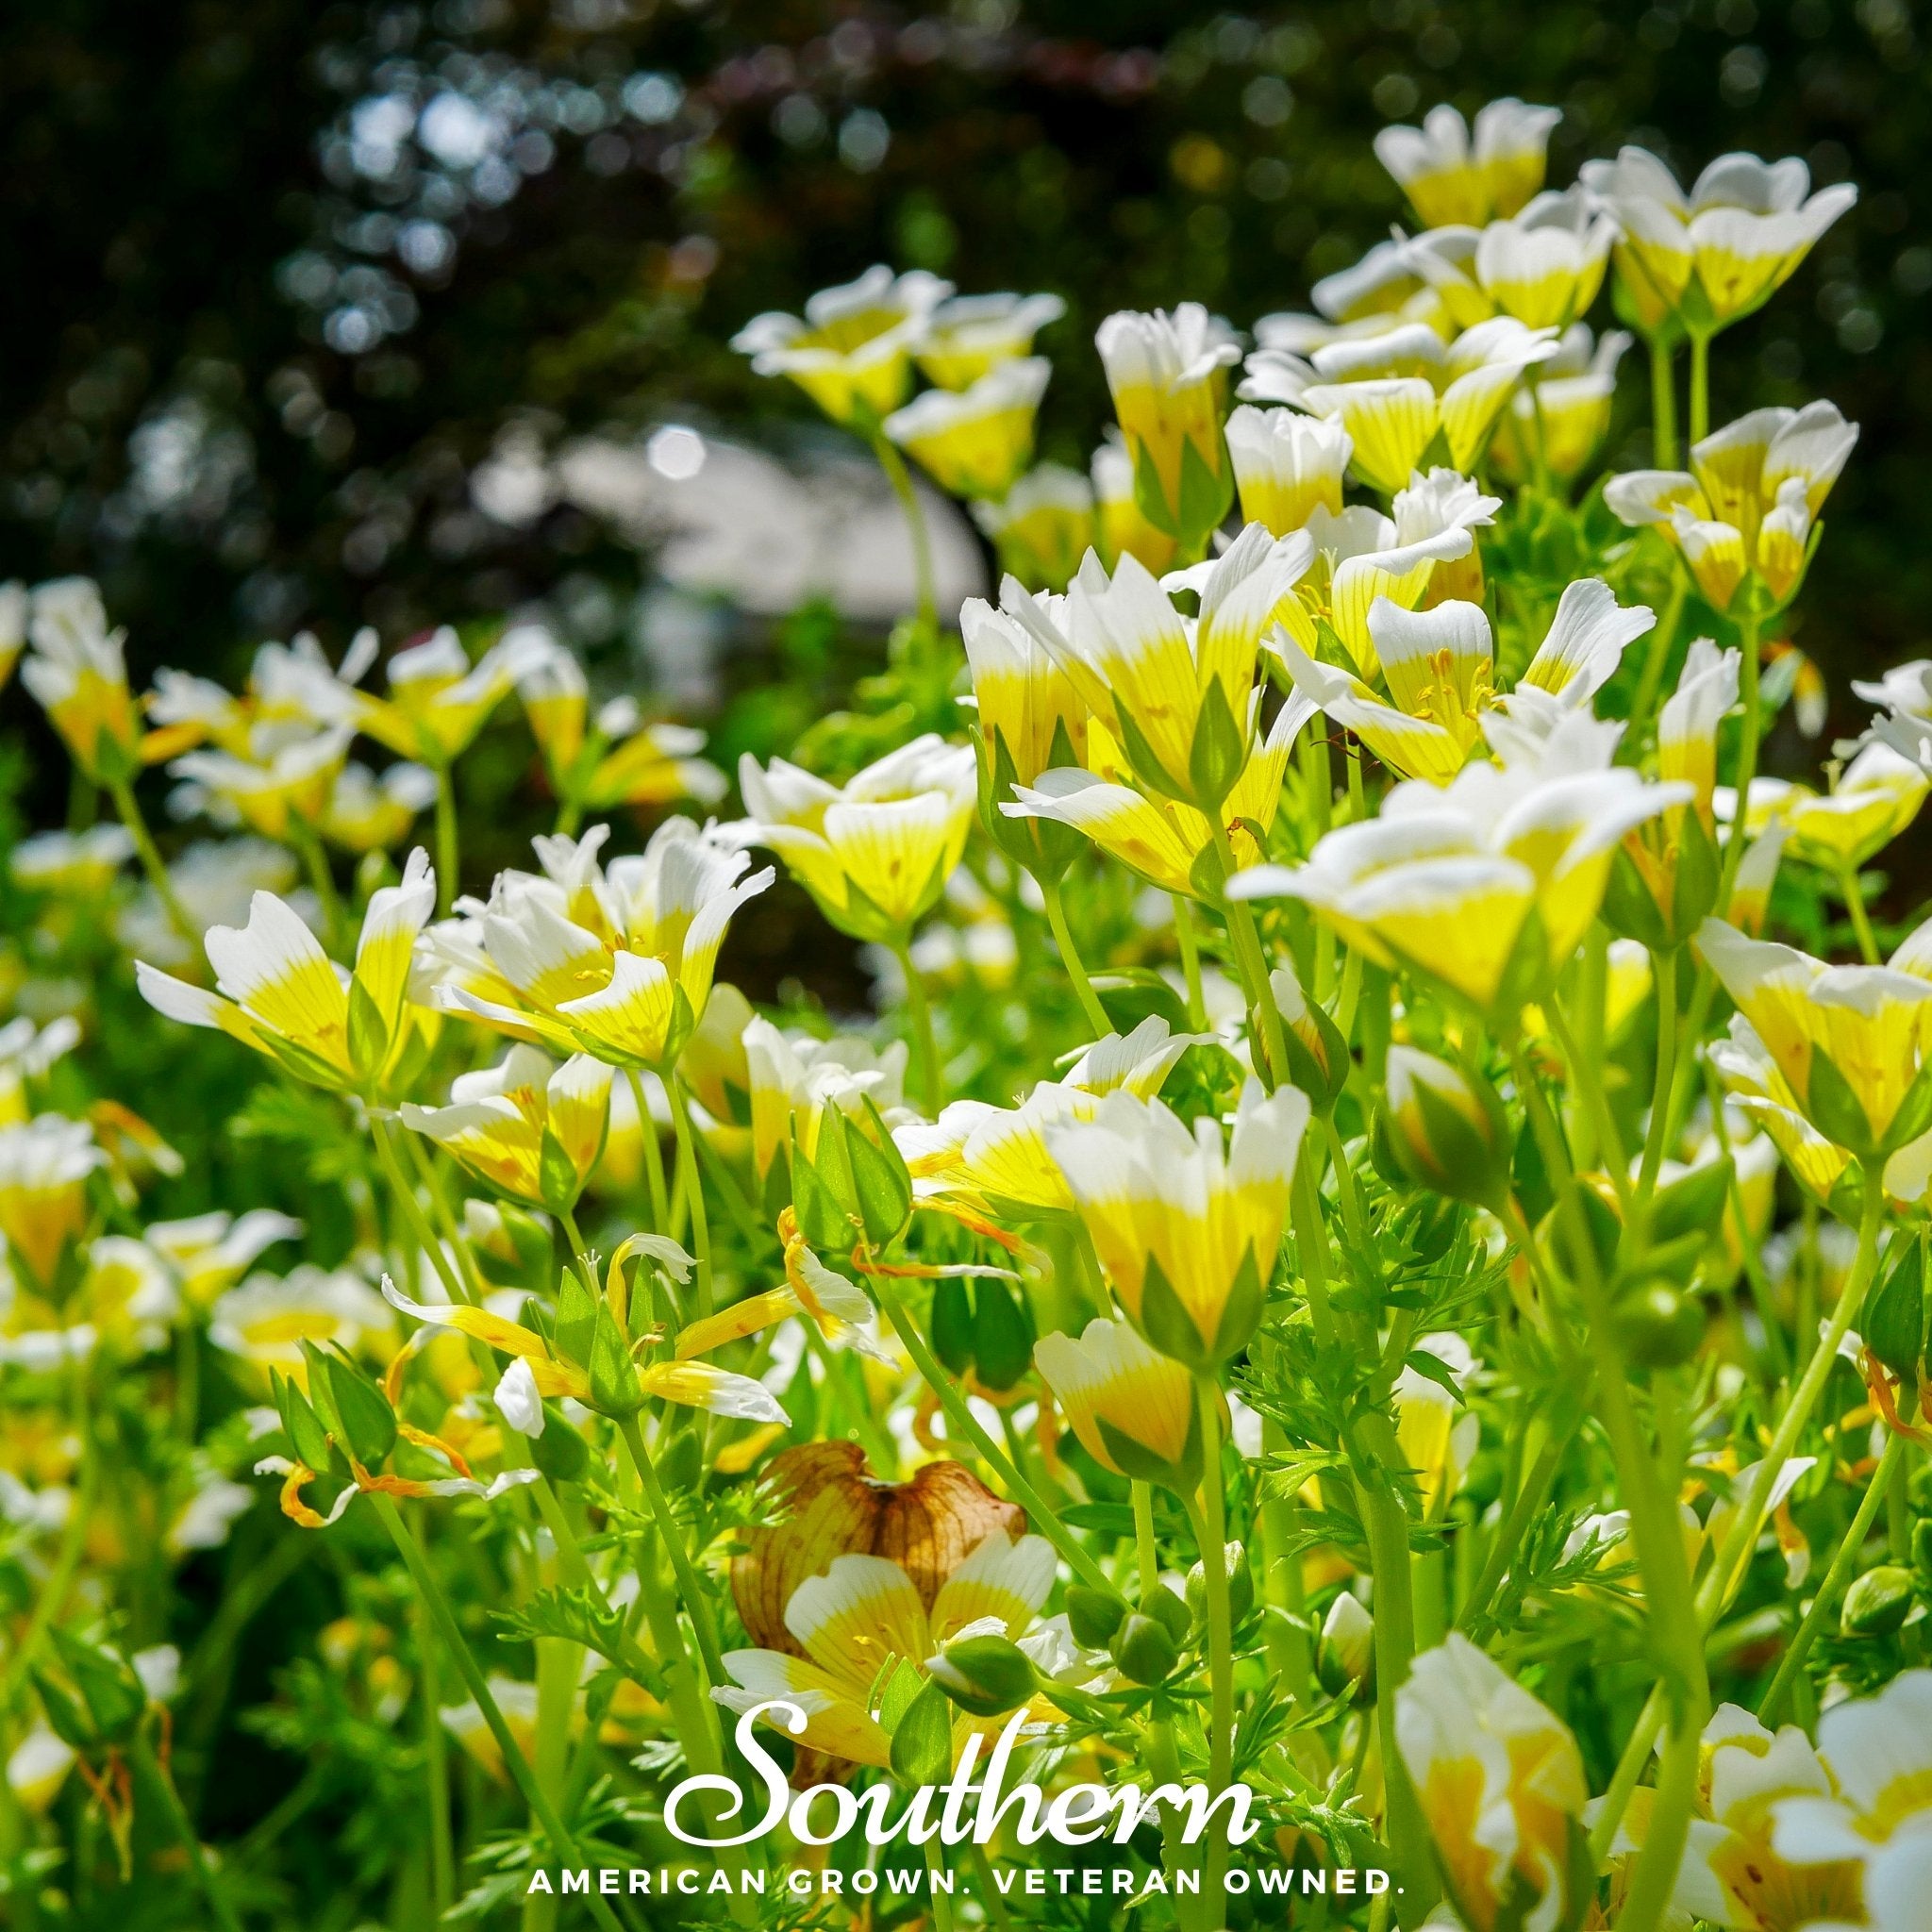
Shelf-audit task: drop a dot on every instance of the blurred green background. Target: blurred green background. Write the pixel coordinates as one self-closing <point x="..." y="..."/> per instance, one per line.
<point x="285" y="274"/>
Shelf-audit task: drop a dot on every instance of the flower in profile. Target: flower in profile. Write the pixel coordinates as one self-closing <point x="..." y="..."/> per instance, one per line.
<point x="1174" y="693"/>
<point x="975" y="442"/>
<point x="529" y="1128"/>
<point x="614" y="962"/>
<point x="1120" y="528"/>
<point x="1442" y="1128"/>
<point x="852" y="350"/>
<point x="1168" y="374"/>
<point x="282" y="787"/>
<point x="1132" y="1408"/>
<point x="45" y="1164"/>
<point x="862" y="1622"/>
<point x="1187" y="1228"/>
<point x="966" y="337"/>
<point x="615" y="757"/>
<point x="369" y="811"/>
<point x="1397" y="392"/>
<point x="437" y="700"/>
<point x="1666" y="879"/>
<point x="1042" y="527"/>
<point x="1744" y="515"/>
<point x="794" y="1078"/>
<point x="1500" y="1782"/>
<point x="1485" y="885"/>
<point x="1571" y="400"/>
<point x="276" y="990"/>
<point x="77" y="673"/>
<point x="81" y="866"/>
<point x="1541" y="267"/>
<point x="1850" y="1042"/>
<point x="1455" y="175"/>
<point x="1286" y="466"/>
<point x="875" y="851"/>
<point x="1870" y="803"/>
<point x="1434" y="1429"/>
<point x="210" y="1253"/>
<point x="268" y="1318"/>
<point x="1704" y="259"/>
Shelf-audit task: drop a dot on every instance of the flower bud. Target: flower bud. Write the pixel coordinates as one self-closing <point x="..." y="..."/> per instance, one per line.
<point x="1240" y="1587"/>
<point x="1093" y="1615"/>
<point x="1658" y="1324"/>
<point x="1878" y="1603"/>
<point x="1345" y="1656"/>
<point x="985" y="1676"/>
<point x="1144" y="1650"/>
<point x="1444" y="1129"/>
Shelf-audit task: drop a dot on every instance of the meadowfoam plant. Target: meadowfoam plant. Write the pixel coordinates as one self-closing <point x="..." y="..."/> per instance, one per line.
<point x="1355" y="1323"/>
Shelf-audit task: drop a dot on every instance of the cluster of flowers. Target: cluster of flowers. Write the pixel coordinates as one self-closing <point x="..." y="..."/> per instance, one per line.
<point x="1472" y="1315"/>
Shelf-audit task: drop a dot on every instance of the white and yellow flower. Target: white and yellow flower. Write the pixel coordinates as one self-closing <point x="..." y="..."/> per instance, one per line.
<point x="1132" y="1408"/>
<point x="532" y="1129"/>
<point x="615" y="961"/>
<point x="268" y="1318"/>
<point x="80" y="866"/>
<point x="1567" y="410"/>
<point x="29" y="1053"/>
<point x="862" y="1622"/>
<point x="1120" y="528"/>
<point x="209" y="1253"/>
<point x="1445" y="882"/>
<point x="1870" y="803"/>
<point x="1704" y="259"/>
<point x="1397" y="392"/>
<point x="369" y="811"/>
<point x="277" y="990"/>
<point x="975" y="442"/>
<point x="45" y="1165"/>
<point x="1042" y="527"/>
<point x="794" y="1078"/>
<point x="77" y="673"/>
<point x="1851" y="1041"/>
<point x="1187" y="1228"/>
<point x="875" y="851"/>
<point x="968" y="336"/>
<point x="852" y="350"/>
<point x="1454" y="173"/>
<point x="1436" y="1431"/>
<point x="1542" y="267"/>
<point x="1286" y="466"/>
<point x="284" y="781"/>
<point x="1168" y="374"/>
<point x="1500" y="1782"/>
<point x="1747" y="510"/>
<point x="437" y="700"/>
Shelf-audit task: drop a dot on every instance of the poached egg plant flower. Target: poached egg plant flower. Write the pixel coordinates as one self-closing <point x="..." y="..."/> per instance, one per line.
<point x="1456" y="173"/>
<point x="279" y="992"/>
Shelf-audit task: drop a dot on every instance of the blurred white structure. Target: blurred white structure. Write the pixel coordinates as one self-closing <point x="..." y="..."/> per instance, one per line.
<point x="719" y="518"/>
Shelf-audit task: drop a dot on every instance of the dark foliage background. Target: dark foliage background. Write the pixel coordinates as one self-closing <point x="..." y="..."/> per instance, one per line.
<point x="261" y="330"/>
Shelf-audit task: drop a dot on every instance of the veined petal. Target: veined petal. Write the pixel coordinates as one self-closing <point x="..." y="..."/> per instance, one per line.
<point x="861" y="1612"/>
<point x="276" y="969"/>
<point x="697" y="1385"/>
<point x="396" y="914"/>
<point x="1003" y="1577"/>
<point x="631" y="1015"/>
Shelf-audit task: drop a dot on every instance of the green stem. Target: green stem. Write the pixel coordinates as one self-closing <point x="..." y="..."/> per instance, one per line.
<point x="694" y="1187"/>
<point x="1861" y="922"/>
<point x="1658" y="652"/>
<point x="1528" y="1504"/>
<point x="160" y="1789"/>
<point x="1587" y="1079"/>
<point x="959" y="1415"/>
<point x="919" y="1010"/>
<point x="323" y="881"/>
<point x="515" y="1763"/>
<point x="1700" y="387"/>
<point x="442" y="1861"/>
<point x="1146" y="1550"/>
<point x="1748" y="628"/>
<point x="696" y="1603"/>
<point x="405" y="1197"/>
<point x="893" y="464"/>
<point x="653" y="1157"/>
<point x="1835" y="1581"/>
<point x="1664" y="976"/>
<point x="1070" y="958"/>
<point x="1220" y="1635"/>
<point x="941" y="1898"/>
<point x="448" y="860"/>
<point x="1190" y="944"/>
<point x="1663" y="402"/>
<point x="1253" y="968"/>
<point x="122" y="793"/>
<point x="1311" y="1241"/>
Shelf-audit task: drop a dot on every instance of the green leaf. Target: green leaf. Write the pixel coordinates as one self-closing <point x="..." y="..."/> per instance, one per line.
<point x="951" y="1324"/>
<point x="1219" y="751"/>
<point x="1693" y="1203"/>
<point x="1166" y="1323"/>
<point x="558" y="1175"/>
<point x="1146" y="761"/>
<point x="1150" y="499"/>
<point x="581" y="1616"/>
<point x="303" y="1428"/>
<point x="559" y="1452"/>
<point x="1206" y="494"/>
<point x="576" y="1317"/>
<point x="368" y="1424"/>
<point x="114" y="1696"/>
<point x="1003" y="1334"/>
<point x="882" y="1182"/>
<point x="1834" y="1109"/>
<point x="1894" y="1324"/>
<point x="614" y="1387"/>
<point x="821" y="1220"/>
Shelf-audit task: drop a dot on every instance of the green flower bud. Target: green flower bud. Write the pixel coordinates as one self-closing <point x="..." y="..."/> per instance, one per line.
<point x="1659" y="1326"/>
<point x="1240" y="1587"/>
<point x="1093" y="1615"/>
<point x="1169" y="1611"/>
<point x="1444" y="1129"/>
<point x="1144" y="1651"/>
<point x="1878" y="1603"/>
<point x="1345" y="1656"/>
<point x="985" y="1676"/>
